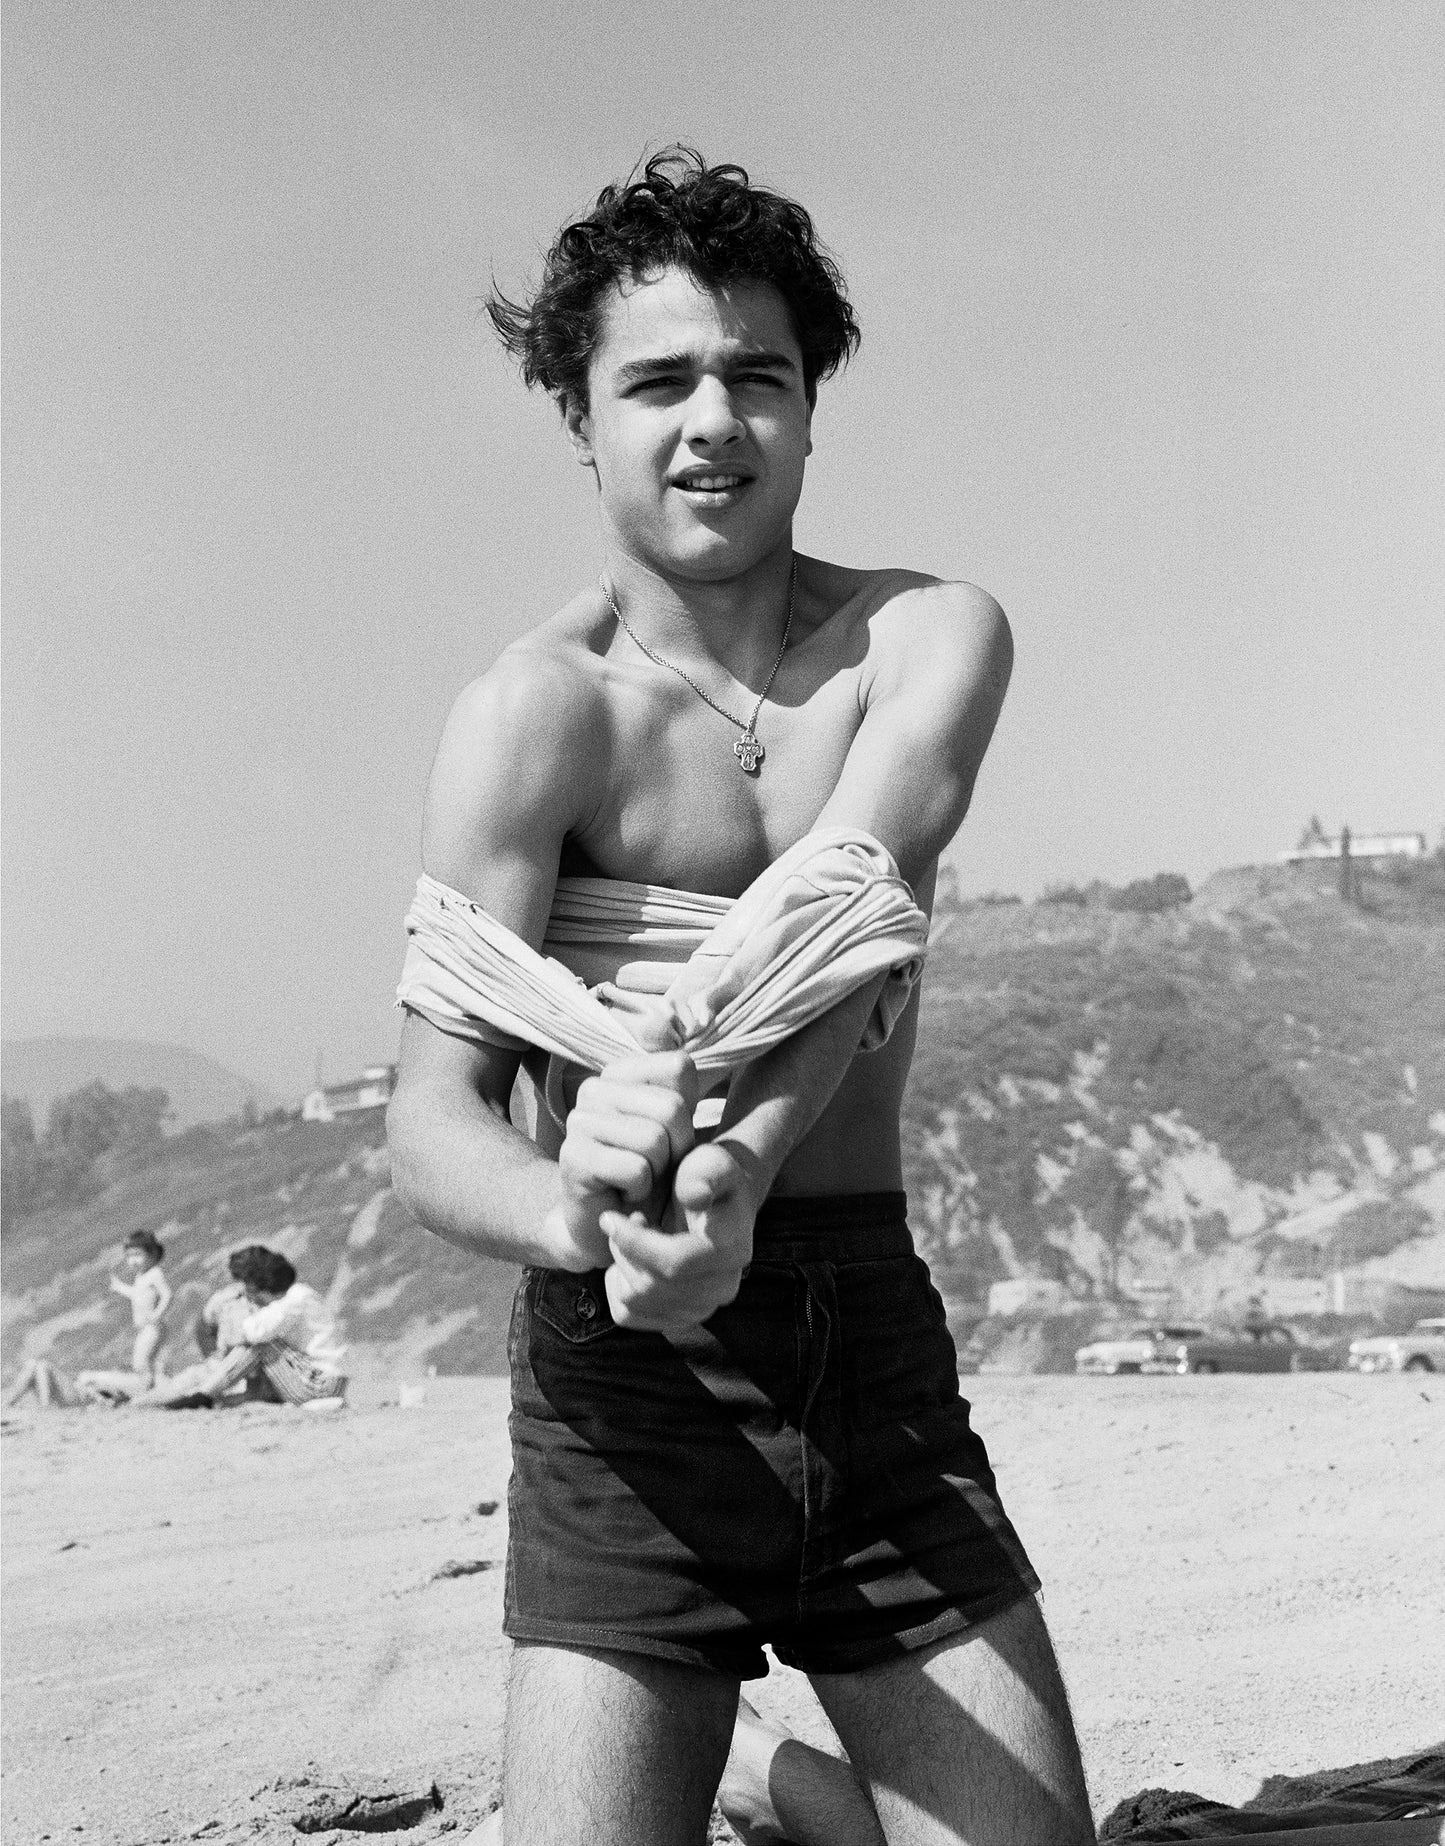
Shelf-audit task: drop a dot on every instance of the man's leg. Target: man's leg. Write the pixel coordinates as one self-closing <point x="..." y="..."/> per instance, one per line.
<point x="967" y="1741"/>
<point x="295" y="1378"/>
<point x="614" y="1749"/>
<point x="776" y="1788"/>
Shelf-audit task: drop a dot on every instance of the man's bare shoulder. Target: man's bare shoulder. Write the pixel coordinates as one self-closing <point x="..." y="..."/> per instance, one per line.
<point x="523" y="751"/>
<point x="899" y="605"/>
<point x="545" y="691"/>
<point x="914" y="609"/>
<point x="912" y="627"/>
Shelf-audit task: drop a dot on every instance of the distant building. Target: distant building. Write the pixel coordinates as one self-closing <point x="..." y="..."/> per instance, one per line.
<point x="1315" y="843"/>
<point x="371" y="1090"/>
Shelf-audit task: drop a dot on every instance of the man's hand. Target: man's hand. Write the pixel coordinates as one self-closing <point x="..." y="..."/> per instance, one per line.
<point x="672" y="1278"/>
<point x="630" y="1127"/>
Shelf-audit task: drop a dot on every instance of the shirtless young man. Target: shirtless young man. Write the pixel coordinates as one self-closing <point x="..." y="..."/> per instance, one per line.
<point x="735" y="1415"/>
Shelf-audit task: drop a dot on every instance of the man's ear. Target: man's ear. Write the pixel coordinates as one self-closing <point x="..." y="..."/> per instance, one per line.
<point x="812" y="406"/>
<point x="578" y="425"/>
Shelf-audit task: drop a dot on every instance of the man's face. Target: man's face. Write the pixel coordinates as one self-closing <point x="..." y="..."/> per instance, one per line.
<point x="697" y="425"/>
<point x="134" y="1261"/>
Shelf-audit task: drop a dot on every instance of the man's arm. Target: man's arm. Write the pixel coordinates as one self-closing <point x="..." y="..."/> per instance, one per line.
<point x="517" y="767"/>
<point x="939" y="663"/>
<point x="264" y="1323"/>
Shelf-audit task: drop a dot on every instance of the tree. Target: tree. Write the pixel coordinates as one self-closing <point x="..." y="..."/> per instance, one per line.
<point x="82" y="1127"/>
<point x="20" y="1158"/>
<point x="91" y="1121"/>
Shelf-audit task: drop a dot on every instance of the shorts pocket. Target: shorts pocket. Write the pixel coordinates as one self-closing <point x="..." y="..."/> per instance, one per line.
<point x="573" y="1305"/>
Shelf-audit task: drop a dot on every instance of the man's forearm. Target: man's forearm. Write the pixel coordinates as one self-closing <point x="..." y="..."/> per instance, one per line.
<point x="774" y="1102"/>
<point x="465" y="1173"/>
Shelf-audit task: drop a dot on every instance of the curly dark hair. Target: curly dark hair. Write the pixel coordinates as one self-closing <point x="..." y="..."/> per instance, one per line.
<point x="147" y="1243"/>
<point x="257" y="1267"/>
<point x="680" y="213"/>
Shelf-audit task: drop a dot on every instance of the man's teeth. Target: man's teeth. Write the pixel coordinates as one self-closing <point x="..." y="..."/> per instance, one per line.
<point x="713" y="483"/>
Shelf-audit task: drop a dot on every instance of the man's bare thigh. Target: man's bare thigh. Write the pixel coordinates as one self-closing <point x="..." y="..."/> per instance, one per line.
<point x="969" y="1740"/>
<point x="611" y="1748"/>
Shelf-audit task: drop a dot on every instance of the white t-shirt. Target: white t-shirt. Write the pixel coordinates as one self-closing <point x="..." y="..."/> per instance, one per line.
<point x="299" y="1318"/>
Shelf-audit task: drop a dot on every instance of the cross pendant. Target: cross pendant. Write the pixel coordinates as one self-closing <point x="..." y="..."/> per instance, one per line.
<point x="749" y="752"/>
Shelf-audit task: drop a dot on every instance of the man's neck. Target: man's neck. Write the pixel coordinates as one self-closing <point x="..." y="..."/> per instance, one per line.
<point x="737" y="622"/>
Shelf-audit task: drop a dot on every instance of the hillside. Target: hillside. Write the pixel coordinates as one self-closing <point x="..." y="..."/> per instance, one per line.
<point x="1248" y="1087"/>
<point x="200" y="1089"/>
<point x="318" y="1192"/>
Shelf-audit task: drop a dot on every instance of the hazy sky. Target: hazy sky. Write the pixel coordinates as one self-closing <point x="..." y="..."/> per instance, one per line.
<point x="1152" y="349"/>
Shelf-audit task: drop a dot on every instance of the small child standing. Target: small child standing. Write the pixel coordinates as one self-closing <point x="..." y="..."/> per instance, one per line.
<point x="149" y="1295"/>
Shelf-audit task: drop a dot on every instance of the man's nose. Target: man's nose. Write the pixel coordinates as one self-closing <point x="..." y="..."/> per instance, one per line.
<point x="712" y="418"/>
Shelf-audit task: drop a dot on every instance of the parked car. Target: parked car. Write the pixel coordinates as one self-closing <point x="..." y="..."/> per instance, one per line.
<point x="1422" y="1349"/>
<point x="1263" y="1349"/>
<point x="1130" y="1354"/>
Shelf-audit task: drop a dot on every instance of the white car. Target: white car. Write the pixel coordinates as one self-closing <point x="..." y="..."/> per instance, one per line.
<point x="1422" y="1349"/>
<point x="1133" y="1352"/>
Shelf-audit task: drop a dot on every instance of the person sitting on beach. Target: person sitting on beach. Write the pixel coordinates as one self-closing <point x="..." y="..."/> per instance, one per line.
<point x="53" y="1388"/>
<point x="217" y="1332"/>
<point x="289" y="1341"/>
<point x="218" y="1325"/>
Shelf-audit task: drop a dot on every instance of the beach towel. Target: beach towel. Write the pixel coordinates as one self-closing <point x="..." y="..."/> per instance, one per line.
<point x="626" y="967"/>
<point x="1401" y="1788"/>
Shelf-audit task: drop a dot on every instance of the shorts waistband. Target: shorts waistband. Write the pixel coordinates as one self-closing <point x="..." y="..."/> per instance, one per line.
<point x="836" y="1227"/>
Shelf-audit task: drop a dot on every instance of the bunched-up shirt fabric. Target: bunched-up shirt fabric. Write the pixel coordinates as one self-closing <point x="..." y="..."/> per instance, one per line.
<point x="627" y="967"/>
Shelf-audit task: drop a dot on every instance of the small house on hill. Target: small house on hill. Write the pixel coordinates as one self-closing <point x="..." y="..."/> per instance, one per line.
<point x="371" y="1090"/>
<point x="1315" y="843"/>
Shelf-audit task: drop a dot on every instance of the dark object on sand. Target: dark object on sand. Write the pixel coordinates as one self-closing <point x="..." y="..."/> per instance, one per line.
<point x="485" y="1508"/>
<point x="1403" y="1789"/>
<point x="462" y="1567"/>
<point x="320" y="1803"/>
<point x="387" y="1812"/>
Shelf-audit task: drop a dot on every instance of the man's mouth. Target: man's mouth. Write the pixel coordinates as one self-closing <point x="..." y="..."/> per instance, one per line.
<point x="716" y="482"/>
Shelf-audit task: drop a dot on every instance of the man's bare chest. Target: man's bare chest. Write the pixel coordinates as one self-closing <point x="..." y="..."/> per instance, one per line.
<point x="676" y="805"/>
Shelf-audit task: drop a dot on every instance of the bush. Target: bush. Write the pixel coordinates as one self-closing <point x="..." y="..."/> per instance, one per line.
<point x="1163" y="891"/>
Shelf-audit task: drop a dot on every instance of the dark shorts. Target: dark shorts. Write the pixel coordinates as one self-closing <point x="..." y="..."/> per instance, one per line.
<point x="799" y="1470"/>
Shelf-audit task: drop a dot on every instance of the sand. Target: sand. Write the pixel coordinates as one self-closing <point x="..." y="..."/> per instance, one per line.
<point x="1243" y="1576"/>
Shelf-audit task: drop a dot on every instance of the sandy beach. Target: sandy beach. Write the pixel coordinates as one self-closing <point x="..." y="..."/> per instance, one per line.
<point x="1242" y="1575"/>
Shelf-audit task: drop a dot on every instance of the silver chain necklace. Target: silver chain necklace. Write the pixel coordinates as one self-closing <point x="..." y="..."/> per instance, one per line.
<point x="748" y="748"/>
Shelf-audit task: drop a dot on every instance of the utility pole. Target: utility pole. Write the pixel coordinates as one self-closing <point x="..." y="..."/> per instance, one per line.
<point x="1347" y="881"/>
